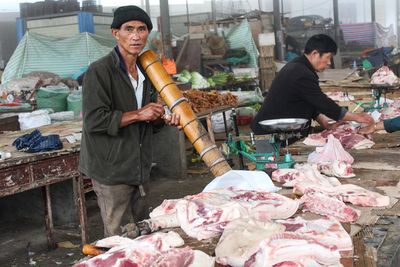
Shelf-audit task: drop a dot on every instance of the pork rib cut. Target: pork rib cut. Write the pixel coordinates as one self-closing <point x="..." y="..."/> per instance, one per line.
<point x="323" y="204"/>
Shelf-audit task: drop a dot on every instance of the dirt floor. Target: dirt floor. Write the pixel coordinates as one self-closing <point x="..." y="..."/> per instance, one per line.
<point x="24" y="243"/>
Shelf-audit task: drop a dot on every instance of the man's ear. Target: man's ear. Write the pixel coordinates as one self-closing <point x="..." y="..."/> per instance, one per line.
<point x="115" y="33"/>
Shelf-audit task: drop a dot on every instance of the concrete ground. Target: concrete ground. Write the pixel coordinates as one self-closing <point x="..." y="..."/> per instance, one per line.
<point x="23" y="243"/>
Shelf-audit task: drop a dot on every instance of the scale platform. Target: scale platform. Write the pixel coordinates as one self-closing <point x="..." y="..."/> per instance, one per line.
<point x="264" y="150"/>
<point x="377" y="91"/>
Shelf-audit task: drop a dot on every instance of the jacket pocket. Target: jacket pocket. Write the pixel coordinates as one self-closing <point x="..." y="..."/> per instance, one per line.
<point x="115" y="150"/>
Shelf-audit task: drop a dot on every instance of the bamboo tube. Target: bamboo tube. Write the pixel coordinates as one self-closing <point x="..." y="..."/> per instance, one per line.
<point x="192" y="127"/>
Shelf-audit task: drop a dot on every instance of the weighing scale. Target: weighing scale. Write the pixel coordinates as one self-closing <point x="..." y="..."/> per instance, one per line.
<point x="377" y="91"/>
<point x="263" y="150"/>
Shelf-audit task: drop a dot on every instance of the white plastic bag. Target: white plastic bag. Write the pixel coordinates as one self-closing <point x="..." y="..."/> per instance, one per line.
<point x="331" y="151"/>
<point x="218" y="122"/>
<point x="34" y="119"/>
<point x="244" y="180"/>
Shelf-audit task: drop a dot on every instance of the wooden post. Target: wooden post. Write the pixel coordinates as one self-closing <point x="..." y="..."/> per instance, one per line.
<point x="48" y="216"/>
<point x="80" y="204"/>
<point x="210" y="128"/>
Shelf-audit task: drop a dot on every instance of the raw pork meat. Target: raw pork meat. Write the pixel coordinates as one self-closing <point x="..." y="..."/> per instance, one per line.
<point x="322" y="204"/>
<point x="353" y="194"/>
<point x="327" y="231"/>
<point x="241" y="239"/>
<point x="361" y="197"/>
<point x="339" y="96"/>
<point x="392" y="111"/>
<point x="205" y="215"/>
<point x="302" y="176"/>
<point x="286" y="175"/>
<point x="347" y="135"/>
<point x="336" y="168"/>
<point x="306" y="178"/>
<point x="315" y="140"/>
<point x="156" y="250"/>
<point x="312" y="176"/>
<point x="384" y="76"/>
<point x="291" y="247"/>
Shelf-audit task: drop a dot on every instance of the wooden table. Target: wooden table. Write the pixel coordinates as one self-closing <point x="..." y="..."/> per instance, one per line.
<point x="26" y="171"/>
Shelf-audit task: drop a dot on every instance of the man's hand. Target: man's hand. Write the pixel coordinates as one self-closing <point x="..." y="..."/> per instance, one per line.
<point x="333" y="126"/>
<point x="150" y="112"/>
<point x="372" y="128"/>
<point x="363" y="118"/>
<point x="172" y="120"/>
<point x="367" y="130"/>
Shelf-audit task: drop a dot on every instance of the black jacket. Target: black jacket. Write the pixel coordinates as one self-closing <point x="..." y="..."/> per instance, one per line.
<point x="110" y="154"/>
<point x="295" y="93"/>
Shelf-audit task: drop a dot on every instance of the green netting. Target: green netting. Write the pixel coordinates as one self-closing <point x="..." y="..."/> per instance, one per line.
<point x="239" y="37"/>
<point x="53" y="97"/>
<point x="62" y="56"/>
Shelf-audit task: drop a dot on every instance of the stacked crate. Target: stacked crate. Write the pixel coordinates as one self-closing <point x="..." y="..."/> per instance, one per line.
<point x="266" y="45"/>
<point x="267" y="66"/>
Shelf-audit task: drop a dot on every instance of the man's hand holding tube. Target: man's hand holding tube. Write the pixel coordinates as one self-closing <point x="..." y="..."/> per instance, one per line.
<point x="171" y="119"/>
<point x="152" y="112"/>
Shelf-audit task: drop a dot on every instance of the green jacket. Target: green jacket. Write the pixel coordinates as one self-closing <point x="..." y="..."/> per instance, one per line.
<point x="109" y="154"/>
<point x="392" y="125"/>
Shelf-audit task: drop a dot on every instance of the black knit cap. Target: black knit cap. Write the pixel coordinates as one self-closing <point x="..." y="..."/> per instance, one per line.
<point x="128" y="13"/>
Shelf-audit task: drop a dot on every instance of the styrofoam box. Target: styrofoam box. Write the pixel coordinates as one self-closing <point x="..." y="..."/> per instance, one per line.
<point x="265" y="39"/>
<point x="252" y="72"/>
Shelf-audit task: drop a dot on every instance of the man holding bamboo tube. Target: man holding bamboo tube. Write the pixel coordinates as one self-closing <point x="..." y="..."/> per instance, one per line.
<point x="120" y="110"/>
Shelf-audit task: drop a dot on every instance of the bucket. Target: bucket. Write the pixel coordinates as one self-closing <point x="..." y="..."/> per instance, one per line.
<point x="74" y="103"/>
<point x="245" y="115"/>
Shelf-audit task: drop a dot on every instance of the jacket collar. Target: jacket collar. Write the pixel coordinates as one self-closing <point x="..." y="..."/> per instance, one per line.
<point x="119" y="61"/>
<point x="303" y="59"/>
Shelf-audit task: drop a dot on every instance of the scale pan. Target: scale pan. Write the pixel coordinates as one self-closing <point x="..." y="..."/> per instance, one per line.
<point x="283" y="125"/>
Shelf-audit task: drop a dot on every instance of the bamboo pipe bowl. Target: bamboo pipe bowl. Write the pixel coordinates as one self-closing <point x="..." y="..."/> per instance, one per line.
<point x="192" y="127"/>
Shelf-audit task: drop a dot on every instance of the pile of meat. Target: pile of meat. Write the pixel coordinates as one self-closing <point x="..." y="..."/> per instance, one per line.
<point x="326" y="195"/>
<point x="291" y="242"/>
<point x="155" y="250"/>
<point x="339" y="96"/>
<point x="202" y="101"/>
<point x="346" y="134"/>
<point x="206" y="214"/>
<point x="384" y="76"/>
<point x="392" y="111"/>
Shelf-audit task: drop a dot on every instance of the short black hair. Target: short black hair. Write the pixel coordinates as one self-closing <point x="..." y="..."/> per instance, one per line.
<point x="322" y="43"/>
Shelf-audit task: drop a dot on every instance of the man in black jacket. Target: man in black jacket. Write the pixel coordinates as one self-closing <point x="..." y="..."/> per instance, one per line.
<point x="119" y="112"/>
<point x="295" y="92"/>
